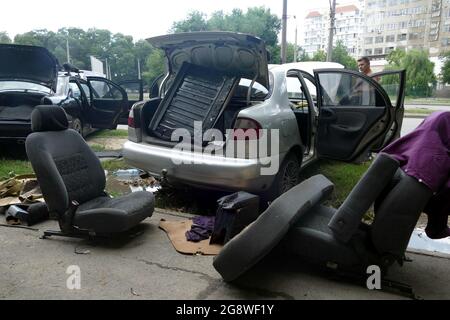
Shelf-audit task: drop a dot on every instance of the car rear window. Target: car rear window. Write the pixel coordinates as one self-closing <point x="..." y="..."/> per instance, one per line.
<point x="259" y="92"/>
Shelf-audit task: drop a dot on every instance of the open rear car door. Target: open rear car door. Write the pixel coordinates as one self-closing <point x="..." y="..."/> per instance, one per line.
<point x="357" y="113"/>
<point x="108" y="102"/>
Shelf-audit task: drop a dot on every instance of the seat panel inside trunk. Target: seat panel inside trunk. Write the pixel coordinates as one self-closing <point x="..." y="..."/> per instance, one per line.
<point x="197" y="94"/>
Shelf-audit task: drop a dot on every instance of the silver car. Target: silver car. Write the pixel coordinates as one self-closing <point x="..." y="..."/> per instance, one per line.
<point x="227" y="120"/>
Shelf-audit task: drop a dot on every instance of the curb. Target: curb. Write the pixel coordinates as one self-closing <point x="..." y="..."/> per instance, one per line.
<point x="415" y="116"/>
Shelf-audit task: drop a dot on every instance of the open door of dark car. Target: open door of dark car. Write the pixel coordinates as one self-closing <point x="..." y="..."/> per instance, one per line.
<point x="135" y="93"/>
<point x="108" y="102"/>
<point x="356" y="115"/>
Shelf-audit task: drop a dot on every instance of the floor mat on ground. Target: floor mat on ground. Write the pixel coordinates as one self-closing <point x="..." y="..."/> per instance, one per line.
<point x="176" y="231"/>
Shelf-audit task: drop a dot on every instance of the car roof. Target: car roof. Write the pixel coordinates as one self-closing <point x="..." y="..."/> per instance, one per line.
<point x="308" y="66"/>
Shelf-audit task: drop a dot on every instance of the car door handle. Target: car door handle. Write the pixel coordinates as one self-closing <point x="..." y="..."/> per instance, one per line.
<point x="328" y="114"/>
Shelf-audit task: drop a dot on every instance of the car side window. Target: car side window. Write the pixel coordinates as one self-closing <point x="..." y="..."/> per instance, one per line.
<point x="87" y="91"/>
<point x="103" y="90"/>
<point x="295" y="91"/>
<point x="390" y="84"/>
<point x="76" y="92"/>
<point x="345" y="89"/>
<point x="312" y="89"/>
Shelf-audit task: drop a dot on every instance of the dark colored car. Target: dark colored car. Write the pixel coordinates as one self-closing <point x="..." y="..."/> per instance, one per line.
<point x="31" y="76"/>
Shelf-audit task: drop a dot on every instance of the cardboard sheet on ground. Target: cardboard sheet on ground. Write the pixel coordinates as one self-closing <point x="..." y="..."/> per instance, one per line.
<point x="176" y="231"/>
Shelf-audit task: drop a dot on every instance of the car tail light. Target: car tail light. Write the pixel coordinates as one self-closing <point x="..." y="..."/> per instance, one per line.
<point x="247" y="129"/>
<point x="131" y="119"/>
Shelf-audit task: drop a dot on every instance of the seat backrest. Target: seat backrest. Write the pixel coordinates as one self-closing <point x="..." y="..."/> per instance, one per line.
<point x="65" y="166"/>
<point x="345" y="223"/>
<point x="397" y="213"/>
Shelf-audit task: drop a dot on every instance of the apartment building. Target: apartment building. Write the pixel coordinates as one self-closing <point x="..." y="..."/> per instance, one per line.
<point x="405" y="24"/>
<point x="348" y="28"/>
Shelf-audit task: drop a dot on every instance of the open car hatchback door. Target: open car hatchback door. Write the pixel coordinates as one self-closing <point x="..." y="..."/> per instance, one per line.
<point x="357" y="113"/>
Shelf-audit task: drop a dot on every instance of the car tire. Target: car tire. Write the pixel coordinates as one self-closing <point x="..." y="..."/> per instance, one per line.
<point x="288" y="176"/>
<point x="77" y="125"/>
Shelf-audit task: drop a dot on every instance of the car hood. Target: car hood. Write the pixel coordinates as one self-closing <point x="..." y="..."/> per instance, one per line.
<point x="240" y="54"/>
<point x="28" y="63"/>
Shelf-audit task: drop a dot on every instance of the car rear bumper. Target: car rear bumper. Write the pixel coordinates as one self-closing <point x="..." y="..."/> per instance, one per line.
<point x="216" y="172"/>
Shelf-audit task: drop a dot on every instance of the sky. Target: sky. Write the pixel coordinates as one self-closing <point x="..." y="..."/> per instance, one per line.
<point x="139" y="18"/>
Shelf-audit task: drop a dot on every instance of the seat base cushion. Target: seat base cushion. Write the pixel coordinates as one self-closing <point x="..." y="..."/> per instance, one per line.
<point x="312" y="240"/>
<point x="104" y="215"/>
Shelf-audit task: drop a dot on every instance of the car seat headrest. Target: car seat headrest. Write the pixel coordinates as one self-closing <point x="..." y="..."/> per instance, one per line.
<point x="49" y="118"/>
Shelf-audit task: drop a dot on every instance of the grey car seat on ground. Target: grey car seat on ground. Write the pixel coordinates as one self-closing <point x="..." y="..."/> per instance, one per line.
<point x="334" y="238"/>
<point x="72" y="180"/>
<point x="342" y="241"/>
<point x="259" y="238"/>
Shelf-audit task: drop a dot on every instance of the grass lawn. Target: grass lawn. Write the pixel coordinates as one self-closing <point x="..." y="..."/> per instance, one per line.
<point x="343" y="175"/>
<point x="113" y="165"/>
<point x="110" y="134"/>
<point x="14" y="167"/>
<point x="420" y="111"/>
<point x="428" y="101"/>
<point x="97" y="148"/>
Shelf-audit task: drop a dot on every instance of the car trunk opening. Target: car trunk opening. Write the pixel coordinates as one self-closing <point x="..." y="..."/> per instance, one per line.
<point x="205" y="70"/>
<point x="197" y="94"/>
<point x="18" y="106"/>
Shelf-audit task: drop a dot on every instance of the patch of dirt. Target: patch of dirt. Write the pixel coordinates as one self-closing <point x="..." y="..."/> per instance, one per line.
<point x="112" y="143"/>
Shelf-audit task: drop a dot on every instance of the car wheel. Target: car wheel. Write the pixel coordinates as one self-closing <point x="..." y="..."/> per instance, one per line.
<point x="288" y="176"/>
<point x="77" y="125"/>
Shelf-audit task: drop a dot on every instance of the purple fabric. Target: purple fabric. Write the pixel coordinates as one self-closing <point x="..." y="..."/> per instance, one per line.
<point x="202" y="228"/>
<point x="425" y="155"/>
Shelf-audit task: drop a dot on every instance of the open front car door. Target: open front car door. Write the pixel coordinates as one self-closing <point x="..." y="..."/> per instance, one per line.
<point x="356" y="115"/>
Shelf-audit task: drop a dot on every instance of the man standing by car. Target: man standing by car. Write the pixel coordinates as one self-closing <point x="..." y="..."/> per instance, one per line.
<point x="364" y="66"/>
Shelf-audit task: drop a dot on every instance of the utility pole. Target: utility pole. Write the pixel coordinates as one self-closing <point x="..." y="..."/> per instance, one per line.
<point x="296" y="42"/>
<point x="67" y="50"/>
<point x="139" y="68"/>
<point x="331" y="35"/>
<point x="107" y="68"/>
<point x="283" y="33"/>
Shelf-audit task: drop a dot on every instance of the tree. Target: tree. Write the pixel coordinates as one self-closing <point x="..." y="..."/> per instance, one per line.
<point x="420" y="77"/>
<point x="257" y="21"/>
<point x="395" y="58"/>
<point x="303" y="56"/>
<point x="119" y="49"/>
<point x="340" y="55"/>
<point x="290" y="51"/>
<point x="446" y="68"/>
<point x="154" y="66"/>
<point x="195" y="21"/>
<point x="319" y="56"/>
<point x="4" y="38"/>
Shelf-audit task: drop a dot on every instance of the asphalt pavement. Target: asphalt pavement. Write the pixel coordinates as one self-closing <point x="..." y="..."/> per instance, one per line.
<point x="146" y="266"/>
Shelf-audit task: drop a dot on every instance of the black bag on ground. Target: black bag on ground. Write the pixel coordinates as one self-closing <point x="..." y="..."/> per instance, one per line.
<point x="234" y="213"/>
<point x="27" y="214"/>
